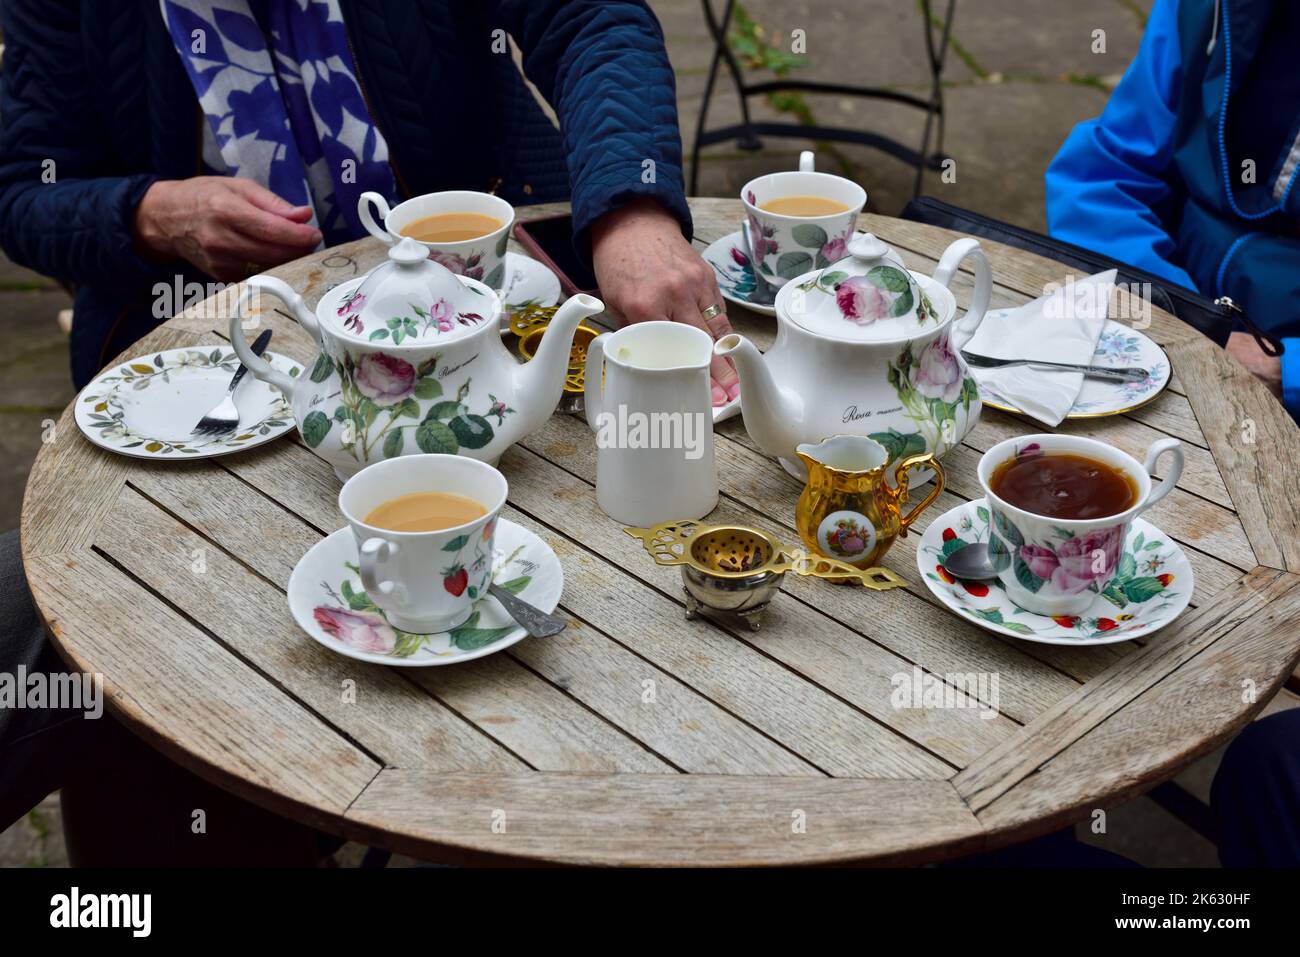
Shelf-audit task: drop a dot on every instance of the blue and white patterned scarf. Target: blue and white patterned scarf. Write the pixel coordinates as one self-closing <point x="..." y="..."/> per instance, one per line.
<point x="276" y="80"/>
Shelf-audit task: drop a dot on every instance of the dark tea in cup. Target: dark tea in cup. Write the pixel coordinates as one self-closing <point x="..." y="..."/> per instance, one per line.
<point x="1063" y="485"/>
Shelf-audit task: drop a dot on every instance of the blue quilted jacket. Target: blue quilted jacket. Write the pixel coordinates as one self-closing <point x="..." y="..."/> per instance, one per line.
<point x="95" y="106"/>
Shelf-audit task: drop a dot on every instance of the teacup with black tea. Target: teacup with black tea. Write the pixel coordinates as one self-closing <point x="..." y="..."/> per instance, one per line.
<point x="1063" y="485"/>
<point x="1059" y="512"/>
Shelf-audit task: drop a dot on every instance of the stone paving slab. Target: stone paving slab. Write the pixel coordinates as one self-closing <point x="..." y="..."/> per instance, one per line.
<point x="1048" y="38"/>
<point x="863" y="42"/>
<point x="37" y="839"/>
<point x="17" y="278"/>
<point x="35" y="386"/>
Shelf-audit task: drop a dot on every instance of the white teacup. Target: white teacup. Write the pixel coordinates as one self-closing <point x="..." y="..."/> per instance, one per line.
<point x="1057" y="566"/>
<point x="416" y="577"/>
<point x="483" y="258"/>
<point x="783" y="247"/>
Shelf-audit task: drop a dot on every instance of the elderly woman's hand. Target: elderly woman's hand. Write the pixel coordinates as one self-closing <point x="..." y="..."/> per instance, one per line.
<point x="227" y="227"/>
<point x="647" y="270"/>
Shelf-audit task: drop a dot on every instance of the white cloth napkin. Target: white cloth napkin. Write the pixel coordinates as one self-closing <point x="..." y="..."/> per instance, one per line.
<point x="1062" y="326"/>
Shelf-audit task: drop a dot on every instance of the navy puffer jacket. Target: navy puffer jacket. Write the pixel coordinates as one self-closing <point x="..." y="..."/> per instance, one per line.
<point x="95" y="106"/>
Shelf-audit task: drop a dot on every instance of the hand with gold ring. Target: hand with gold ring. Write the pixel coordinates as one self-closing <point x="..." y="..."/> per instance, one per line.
<point x="647" y="270"/>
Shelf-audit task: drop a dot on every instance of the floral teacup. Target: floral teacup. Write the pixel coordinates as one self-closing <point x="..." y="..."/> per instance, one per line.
<point x="483" y="258"/>
<point x="787" y="246"/>
<point x="425" y="582"/>
<point x="1056" y="566"/>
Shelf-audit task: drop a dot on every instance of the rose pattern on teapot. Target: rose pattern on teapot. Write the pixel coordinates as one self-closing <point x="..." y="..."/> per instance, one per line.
<point x="864" y="346"/>
<point x="411" y="360"/>
<point x="387" y="406"/>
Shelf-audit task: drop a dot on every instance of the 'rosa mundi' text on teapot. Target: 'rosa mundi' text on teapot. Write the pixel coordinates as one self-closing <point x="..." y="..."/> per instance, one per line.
<point x="865" y="347"/>
<point x="412" y="361"/>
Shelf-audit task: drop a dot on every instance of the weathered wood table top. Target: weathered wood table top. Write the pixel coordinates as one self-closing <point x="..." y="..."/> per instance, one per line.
<point x="637" y="737"/>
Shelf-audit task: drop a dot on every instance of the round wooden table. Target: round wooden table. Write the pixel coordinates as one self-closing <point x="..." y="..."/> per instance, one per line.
<point x="636" y="736"/>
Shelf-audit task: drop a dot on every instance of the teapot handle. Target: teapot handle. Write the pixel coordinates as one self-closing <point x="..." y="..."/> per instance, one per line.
<point x="952" y="258"/>
<point x="260" y="368"/>
<point x="928" y="460"/>
<point x="594" y="380"/>
<point x="373" y="227"/>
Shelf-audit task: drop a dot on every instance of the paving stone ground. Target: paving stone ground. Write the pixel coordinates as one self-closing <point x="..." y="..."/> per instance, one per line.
<point x="1021" y="74"/>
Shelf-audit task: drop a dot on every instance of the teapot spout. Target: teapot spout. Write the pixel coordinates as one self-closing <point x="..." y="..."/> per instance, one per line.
<point x="768" y="410"/>
<point x="539" y="383"/>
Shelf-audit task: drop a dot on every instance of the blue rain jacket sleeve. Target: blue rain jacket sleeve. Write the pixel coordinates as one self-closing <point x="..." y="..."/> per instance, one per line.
<point x="1106" y="185"/>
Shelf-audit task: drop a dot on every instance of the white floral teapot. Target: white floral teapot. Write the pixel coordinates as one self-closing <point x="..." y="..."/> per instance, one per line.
<point x="865" y="347"/>
<point x="412" y="361"/>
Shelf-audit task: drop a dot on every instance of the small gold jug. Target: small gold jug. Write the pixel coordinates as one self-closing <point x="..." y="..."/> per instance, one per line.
<point x="848" y="509"/>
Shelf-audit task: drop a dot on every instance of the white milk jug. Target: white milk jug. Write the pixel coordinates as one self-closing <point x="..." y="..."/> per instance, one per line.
<point x="648" y="400"/>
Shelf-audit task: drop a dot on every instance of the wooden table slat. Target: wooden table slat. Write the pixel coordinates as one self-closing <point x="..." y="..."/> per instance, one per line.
<point x="686" y="820"/>
<point x="820" y="728"/>
<point x="244" y="731"/>
<point x="1257" y="604"/>
<point x="1248" y="429"/>
<point x="376" y="707"/>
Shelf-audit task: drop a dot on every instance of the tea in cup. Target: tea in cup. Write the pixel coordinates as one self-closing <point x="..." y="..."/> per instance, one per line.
<point x="799" y="220"/>
<point x="424" y="526"/>
<point x="464" y="230"/>
<point x="1060" y="509"/>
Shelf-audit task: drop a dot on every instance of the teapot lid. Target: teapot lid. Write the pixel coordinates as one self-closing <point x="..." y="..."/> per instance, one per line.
<point x="411" y="299"/>
<point x="867" y="296"/>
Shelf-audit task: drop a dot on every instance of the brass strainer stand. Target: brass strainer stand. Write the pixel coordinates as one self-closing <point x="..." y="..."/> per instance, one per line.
<point x="739" y="569"/>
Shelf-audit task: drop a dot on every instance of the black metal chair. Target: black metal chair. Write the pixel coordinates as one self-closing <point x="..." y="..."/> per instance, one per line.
<point x="747" y="132"/>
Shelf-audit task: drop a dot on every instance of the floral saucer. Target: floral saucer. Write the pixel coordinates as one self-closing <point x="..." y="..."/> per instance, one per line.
<point x="328" y="602"/>
<point x="735" y="276"/>
<point x="528" y="283"/>
<point x="1119" y="345"/>
<point x="147" y="407"/>
<point x="1152" y="588"/>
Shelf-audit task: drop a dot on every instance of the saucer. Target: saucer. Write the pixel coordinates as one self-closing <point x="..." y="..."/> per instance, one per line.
<point x="528" y="283"/>
<point x="1153" y="587"/>
<point x="736" y="278"/>
<point x="148" y="406"/>
<point x="328" y="602"/>
<point x="1119" y="345"/>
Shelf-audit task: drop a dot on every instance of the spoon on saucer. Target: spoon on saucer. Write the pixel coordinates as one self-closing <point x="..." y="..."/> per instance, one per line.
<point x="531" y="618"/>
<point x="970" y="562"/>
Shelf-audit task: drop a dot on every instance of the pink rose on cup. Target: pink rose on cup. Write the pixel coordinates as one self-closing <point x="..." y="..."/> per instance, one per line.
<point x="761" y="240"/>
<point x="362" y="630"/>
<point x="385" y="379"/>
<point x="835" y="248"/>
<point x="1079" y="562"/>
<point x="937" y="374"/>
<point x="861" y="302"/>
<point x="458" y="264"/>
<point x="1041" y="560"/>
